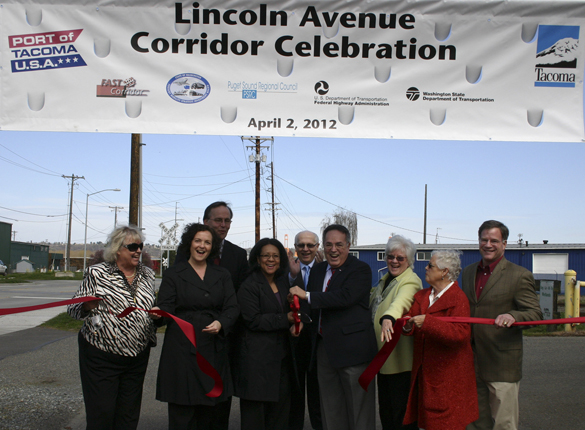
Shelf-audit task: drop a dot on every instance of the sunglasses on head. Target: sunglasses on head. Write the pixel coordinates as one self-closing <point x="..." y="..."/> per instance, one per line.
<point x="133" y="247"/>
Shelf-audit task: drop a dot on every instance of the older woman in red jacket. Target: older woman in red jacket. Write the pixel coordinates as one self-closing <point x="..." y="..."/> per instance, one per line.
<point x="443" y="393"/>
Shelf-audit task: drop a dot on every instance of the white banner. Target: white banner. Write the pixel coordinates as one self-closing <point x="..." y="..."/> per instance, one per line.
<point x="452" y="69"/>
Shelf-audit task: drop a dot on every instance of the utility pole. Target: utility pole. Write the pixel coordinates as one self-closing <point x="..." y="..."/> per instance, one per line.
<point x="68" y="253"/>
<point x="135" y="181"/>
<point x="425" y="226"/>
<point x="273" y="204"/>
<point x="256" y="158"/>
<point x="115" y="214"/>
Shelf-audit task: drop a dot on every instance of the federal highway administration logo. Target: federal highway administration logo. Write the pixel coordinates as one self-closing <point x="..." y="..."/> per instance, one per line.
<point x="321" y="88"/>
<point x="188" y="88"/>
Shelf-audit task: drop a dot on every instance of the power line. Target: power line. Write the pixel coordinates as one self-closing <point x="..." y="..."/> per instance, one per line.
<point x="365" y="216"/>
<point x="25" y="167"/>
<point x="29" y="213"/>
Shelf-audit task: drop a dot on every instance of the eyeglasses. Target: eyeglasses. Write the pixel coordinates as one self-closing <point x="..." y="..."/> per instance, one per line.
<point x="338" y="245"/>
<point x="226" y="221"/>
<point x="270" y="257"/>
<point x="133" y="247"/>
<point x="398" y="258"/>
<point x="308" y="245"/>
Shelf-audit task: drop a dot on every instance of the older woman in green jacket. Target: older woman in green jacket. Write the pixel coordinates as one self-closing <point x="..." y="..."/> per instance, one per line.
<point x="391" y="299"/>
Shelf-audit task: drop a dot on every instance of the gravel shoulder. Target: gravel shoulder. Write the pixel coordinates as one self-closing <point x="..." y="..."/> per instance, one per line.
<point x="40" y="389"/>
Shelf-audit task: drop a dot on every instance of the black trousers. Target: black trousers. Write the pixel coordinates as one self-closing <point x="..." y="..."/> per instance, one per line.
<point x="258" y="415"/>
<point x="302" y="346"/>
<point x="221" y="415"/>
<point x="192" y="417"/>
<point x="112" y="387"/>
<point x="393" y="393"/>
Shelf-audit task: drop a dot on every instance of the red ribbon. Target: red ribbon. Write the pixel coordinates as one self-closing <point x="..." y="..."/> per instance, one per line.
<point x="374" y="367"/>
<point x="9" y="311"/>
<point x="295" y="307"/>
<point x="186" y="327"/>
<point x="189" y="331"/>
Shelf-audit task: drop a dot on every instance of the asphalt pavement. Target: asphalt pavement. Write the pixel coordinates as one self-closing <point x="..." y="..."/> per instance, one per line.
<point x="40" y="387"/>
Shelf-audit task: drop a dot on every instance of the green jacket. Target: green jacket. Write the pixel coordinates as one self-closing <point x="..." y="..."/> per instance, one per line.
<point x="395" y="304"/>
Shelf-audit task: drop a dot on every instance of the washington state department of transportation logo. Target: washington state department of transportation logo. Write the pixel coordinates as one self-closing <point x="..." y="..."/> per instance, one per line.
<point x="188" y="88"/>
<point x="556" y="55"/>
<point x="412" y="94"/>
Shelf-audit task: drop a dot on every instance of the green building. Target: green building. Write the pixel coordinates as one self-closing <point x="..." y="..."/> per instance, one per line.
<point x="5" y="242"/>
<point x="35" y="253"/>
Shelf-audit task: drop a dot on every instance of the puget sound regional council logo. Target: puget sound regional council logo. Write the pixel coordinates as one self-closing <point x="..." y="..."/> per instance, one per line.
<point x="188" y="88"/>
<point x="556" y="55"/>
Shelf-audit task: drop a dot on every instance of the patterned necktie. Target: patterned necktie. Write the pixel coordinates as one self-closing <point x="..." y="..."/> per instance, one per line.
<point x="306" y="271"/>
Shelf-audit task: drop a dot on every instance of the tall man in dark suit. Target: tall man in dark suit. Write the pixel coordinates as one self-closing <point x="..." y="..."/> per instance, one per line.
<point x="219" y="216"/>
<point x="343" y="336"/>
<point x="505" y="291"/>
<point x="306" y="246"/>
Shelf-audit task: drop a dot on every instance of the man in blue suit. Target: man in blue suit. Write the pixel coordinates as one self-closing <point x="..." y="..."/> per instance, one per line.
<point x="342" y="332"/>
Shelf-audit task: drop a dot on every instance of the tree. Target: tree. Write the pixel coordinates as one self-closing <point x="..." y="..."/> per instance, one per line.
<point x="96" y="258"/>
<point x="146" y="259"/>
<point x="345" y="218"/>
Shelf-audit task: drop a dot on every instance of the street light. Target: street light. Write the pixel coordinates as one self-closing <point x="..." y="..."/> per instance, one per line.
<point x="86" y="209"/>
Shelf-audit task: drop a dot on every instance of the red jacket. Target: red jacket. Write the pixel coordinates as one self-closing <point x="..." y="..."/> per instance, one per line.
<point x="443" y="393"/>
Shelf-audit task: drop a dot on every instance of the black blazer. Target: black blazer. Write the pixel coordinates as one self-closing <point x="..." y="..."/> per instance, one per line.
<point x="264" y="345"/>
<point x="184" y="294"/>
<point x="346" y="319"/>
<point x="235" y="260"/>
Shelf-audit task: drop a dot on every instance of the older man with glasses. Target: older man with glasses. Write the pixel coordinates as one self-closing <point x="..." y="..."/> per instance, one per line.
<point x="342" y="333"/>
<point x="307" y="250"/>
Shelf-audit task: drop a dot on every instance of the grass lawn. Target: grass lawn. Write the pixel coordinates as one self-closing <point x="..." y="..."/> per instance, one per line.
<point x="64" y="322"/>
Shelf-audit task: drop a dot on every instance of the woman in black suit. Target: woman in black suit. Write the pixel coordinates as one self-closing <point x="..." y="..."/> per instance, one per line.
<point x="262" y="381"/>
<point x="202" y="294"/>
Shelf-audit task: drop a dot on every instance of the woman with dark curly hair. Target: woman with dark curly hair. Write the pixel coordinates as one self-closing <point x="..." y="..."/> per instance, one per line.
<point x="202" y="294"/>
<point x="262" y="381"/>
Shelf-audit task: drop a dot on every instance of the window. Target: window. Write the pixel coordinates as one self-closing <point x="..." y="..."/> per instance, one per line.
<point x="356" y="254"/>
<point x="382" y="256"/>
<point x="550" y="263"/>
<point x="423" y="256"/>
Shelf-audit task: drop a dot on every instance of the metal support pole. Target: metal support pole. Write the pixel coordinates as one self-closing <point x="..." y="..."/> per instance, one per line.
<point x="577" y="301"/>
<point x="570" y="297"/>
<point x="85" y="237"/>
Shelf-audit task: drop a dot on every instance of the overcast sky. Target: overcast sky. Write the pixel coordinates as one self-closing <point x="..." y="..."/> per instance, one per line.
<point x="534" y="188"/>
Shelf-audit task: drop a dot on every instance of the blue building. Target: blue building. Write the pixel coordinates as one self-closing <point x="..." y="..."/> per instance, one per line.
<point x="546" y="261"/>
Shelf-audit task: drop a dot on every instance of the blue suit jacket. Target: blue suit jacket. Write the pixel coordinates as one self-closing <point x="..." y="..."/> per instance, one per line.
<point x="346" y="319"/>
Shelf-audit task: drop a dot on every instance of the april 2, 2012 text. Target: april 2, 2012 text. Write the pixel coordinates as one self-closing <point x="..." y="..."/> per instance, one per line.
<point x="322" y="124"/>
